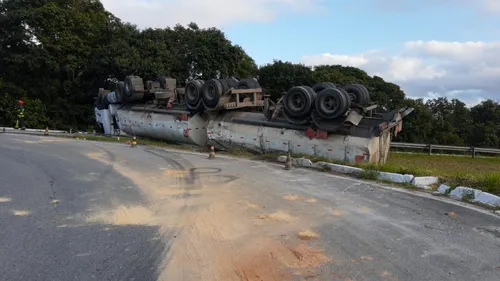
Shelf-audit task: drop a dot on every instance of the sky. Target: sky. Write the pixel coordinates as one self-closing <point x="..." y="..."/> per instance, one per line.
<point x="431" y="48"/>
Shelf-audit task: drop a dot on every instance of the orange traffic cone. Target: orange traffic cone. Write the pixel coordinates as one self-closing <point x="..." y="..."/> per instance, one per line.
<point x="211" y="155"/>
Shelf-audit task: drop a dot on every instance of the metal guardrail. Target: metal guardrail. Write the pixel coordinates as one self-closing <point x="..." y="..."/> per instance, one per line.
<point x="430" y="147"/>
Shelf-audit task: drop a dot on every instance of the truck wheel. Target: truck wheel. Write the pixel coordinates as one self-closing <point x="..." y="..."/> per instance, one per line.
<point x="358" y="93"/>
<point x="323" y="85"/>
<point x="119" y="88"/>
<point x="193" y="91"/>
<point x="298" y="101"/>
<point x="232" y="82"/>
<point x="331" y="103"/>
<point x="198" y="107"/>
<point x="248" y="83"/>
<point x="212" y="91"/>
<point x="225" y="85"/>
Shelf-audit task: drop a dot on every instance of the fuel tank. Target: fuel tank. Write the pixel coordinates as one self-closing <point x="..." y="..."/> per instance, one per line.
<point x="369" y="142"/>
<point x="251" y="131"/>
<point x="168" y="127"/>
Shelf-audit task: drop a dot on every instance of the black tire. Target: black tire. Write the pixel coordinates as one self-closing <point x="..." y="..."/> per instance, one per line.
<point x="248" y="83"/>
<point x="295" y="120"/>
<point x="347" y="97"/>
<point x="128" y="91"/>
<point x="331" y="103"/>
<point x="313" y="95"/>
<point x="198" y="107"/>
<point x="193" y="92"/>
<point x="323" y="85"/>
<point x="225" y="85"/>
<point x="119" y="89"/>
<point x="232" y="82"/>
<point x="358" y="94"/>
<point x="212" y="91"/>
<point x="298" y="101"/>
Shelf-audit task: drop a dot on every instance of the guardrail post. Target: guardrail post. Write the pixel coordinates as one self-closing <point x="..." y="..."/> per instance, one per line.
<point x="473" y="149"/>
<point x="430" y="149"/>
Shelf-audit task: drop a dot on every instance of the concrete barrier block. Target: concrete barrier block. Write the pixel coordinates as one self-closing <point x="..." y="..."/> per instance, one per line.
<point x="340" y="168"/>
<point x="282" y="159"/>
<point x="408" y="178"/>
<point x="425" y="181"/>
<point x="393" y="177"/>
<point x="488" y="198"/>
<point x="460" y="191"/>
<point x="302" y="162"/>
<point x="443" y="188"/>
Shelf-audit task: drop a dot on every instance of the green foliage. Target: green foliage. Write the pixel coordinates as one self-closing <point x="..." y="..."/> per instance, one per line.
<point x="56" y="54"/>
<point x="368" y="175"/>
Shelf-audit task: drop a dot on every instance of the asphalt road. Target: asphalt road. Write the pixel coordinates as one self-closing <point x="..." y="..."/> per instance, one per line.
<point x="79" y="210"/>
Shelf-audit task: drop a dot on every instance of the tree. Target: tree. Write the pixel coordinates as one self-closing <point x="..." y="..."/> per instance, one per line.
<point x="56" y="54"/>
<point x="279" y="77"/>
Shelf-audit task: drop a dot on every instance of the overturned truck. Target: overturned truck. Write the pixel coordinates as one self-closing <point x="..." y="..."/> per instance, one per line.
<point x="326" y="120"/>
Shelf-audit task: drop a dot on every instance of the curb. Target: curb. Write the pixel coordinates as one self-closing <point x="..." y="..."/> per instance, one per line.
<point x="461" y="193"/>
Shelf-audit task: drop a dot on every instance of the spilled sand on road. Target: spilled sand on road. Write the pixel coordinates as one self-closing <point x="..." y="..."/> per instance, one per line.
<point x="277" y="216"/>
<point x="126" y="215"/>
<point x="292" y="197"/>
<point x="212" y="235"/>
<point x="308" y="235"/>
<point x="21" y="213"/>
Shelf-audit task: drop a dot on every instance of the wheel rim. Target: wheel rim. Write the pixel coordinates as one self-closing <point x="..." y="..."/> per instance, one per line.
<point x="329" y="104"/>
<point x="353" y="97"/>
<point x="296" y="102"/>
<point x="211" y="93"/>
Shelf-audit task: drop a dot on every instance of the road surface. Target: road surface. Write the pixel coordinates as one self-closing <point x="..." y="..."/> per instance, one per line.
<point x="80" y="210"/>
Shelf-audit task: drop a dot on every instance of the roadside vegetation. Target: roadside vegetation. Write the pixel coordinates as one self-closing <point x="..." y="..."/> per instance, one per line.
<point x="94" y="48"/>
<point x="455" y="170"/>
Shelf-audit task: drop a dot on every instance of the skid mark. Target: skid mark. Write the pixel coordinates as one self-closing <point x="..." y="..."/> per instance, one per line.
<point x="308" y="235"/>
<point x="21" y="213"/>
<point x="5" y="199"/>
<point x="292" y="197"/>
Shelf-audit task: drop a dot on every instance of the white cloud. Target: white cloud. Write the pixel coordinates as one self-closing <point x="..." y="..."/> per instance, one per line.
<point x="469" y="71"/>
<point x="206" y="13"/>
<point x="484" y="6"/>
<point x="491" y="6"/>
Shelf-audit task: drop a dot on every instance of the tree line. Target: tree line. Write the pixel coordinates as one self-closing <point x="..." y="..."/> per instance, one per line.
<point x="56" y="54"/>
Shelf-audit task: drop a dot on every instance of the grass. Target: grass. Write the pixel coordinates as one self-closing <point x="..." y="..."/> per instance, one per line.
<point x="482" y="172"/>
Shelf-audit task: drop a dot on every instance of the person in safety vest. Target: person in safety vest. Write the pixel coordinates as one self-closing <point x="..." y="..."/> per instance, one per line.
<point x="20" y="116"/>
